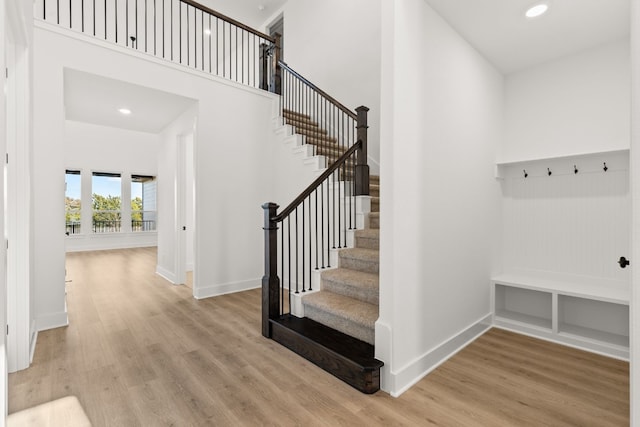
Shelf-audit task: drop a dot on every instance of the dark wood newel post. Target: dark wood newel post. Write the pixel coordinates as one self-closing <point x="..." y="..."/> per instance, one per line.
<point x="277" y="69"/>
<point x="264" y="67"/>
<point x="362" y="167"/>
<point x="270" y="281"/>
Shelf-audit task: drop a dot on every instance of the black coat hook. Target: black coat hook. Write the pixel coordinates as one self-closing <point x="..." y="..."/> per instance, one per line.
<point x="525" y="173"/>
<point x="605" y="168"/>
<point x="549" y="171"/>
<point x="575" y="169"/>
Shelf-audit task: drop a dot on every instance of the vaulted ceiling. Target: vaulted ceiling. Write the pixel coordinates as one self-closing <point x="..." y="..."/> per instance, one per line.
<point x="500" y="31"/>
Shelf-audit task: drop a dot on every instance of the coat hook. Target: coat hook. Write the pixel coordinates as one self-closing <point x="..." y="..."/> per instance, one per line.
<point x="525" y="173"/>
<point x="575" y="169"/>
<point x="605" y="168"/>
<point x="549" y="171"/>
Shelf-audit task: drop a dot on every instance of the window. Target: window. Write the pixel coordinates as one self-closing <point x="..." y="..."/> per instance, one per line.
<point x="143" y="203"/>
<point x="72" y="204"/>
<point x="106" y="202"/>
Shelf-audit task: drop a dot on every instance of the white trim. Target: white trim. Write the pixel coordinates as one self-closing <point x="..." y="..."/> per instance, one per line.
<point x="166" y="274"/>
<point x="400" y="381"/>
<point x="634" y="167"/>
<point x="52" y="321"/>
<point x="226" y="288"/>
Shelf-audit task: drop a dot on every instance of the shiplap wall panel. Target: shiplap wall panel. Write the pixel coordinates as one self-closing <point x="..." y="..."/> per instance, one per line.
<point x="577" y="224"/>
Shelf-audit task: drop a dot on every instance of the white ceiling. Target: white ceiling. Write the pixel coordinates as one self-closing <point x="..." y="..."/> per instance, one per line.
<point x="95" y="99"/>
<point x="250" y="12"/>
<point x="499" y="30"/>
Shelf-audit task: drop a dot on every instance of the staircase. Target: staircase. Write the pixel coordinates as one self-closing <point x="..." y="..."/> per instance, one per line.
<point x="348" y="299"/>
<point x="337" y="331"/>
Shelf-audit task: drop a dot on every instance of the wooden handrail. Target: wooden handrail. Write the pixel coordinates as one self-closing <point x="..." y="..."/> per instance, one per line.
<point x="334" y="101"/>
<point x="326" y="174"/>
<point x="229" y="20"/>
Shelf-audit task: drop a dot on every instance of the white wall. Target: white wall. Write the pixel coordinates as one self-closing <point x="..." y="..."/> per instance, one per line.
<point x="3" y="268"/>
<point x="92" y="148"/>
<point x="230" y="169"/>
<point x="336" y="45"/>
<point x="440" y="212"/>
<point x="578" y="104"/>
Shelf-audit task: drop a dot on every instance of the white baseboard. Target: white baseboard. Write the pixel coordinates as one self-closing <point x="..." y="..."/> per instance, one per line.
<point x="52" y="321"/>
<point x="226" y="288"/>
<point x="166" y="274"/>
<point x="396" y="383"/>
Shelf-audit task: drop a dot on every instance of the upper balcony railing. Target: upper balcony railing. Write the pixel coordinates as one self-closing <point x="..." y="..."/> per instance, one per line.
<point x="180" y="31"/>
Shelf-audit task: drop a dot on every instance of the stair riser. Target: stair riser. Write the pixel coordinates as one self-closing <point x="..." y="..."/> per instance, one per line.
<point x="374" y="190"/>
<point x="375" y="205"/>
<point x="366" y="295"/>
<point x="367" y="243"/>
<point x="343" y="325"/>
<point x="359" y="264"/>
<point x="308" y="127"/>
<point x="374" y="222"/>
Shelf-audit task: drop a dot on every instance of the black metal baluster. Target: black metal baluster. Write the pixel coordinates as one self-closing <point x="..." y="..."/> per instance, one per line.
<point x="310" y="245"/>
<point x="82" y="14"/>
<point x="297" y="251"/>
<point x="105" y="19"/>
<point x="94" y="17"/>
<point x="202" y="32"/>
<point x="146" y="31"/>
<point x="116" y="18"/>
<point x="163" y="24"/>
<point x="188" y="49"/>
<point x="328" y="225"/>
<point x="136" y="42"/>
<point x="350" y="130"/>
<point x="210" y="39"/>
<point x="289" y="249"/>
<point x="282" y="259"/>
<point x="316" y="204"/>
<point x="180" y="29"/>
<point x="242" y="56"/>
<point x="71" y="15"/>
<point x="44" y="10"/>
<point x="333" y="186"/>
<point x="171" y="28"/>
<point x="58" y="11"/>
<point x="340" y="179"/>
<point x="155" y="29"/>
<point x="303" y="258"/>
<point x="237" y="80"/>
<point x="322" y="222"/>
<point x="224" y="47"/>
<point x="126" y="22"/>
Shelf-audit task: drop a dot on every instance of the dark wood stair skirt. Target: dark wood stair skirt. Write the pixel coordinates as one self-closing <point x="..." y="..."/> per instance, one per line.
<point x="345" y="357"/>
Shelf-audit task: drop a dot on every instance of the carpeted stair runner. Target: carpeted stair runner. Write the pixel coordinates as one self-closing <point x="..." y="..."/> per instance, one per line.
<point x="348" y="299"/>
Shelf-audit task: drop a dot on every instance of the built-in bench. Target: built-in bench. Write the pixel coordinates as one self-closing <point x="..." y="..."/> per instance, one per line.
<point x="585" y="312"/>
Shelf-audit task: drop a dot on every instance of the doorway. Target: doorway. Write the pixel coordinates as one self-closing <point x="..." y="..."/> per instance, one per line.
<point x="277" y="27"/>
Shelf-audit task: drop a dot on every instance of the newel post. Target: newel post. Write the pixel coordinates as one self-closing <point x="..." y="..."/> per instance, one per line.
<point x="362" y="167"/>
<point x="277" y="69"/>
<point x="264" y="67"/>
<point x="270" y="281"/>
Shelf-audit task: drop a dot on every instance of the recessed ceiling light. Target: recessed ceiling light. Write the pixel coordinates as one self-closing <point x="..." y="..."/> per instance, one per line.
<point x="207" y="32"/>
<point x="124" y="111"/>
<point x="537" y="10"/>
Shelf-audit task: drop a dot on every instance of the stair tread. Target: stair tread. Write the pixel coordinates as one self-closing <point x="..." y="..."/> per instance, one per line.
<point x="343" y="307"/>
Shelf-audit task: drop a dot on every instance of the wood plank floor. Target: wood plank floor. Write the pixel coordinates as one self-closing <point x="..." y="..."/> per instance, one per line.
<point x="141" y="352"/>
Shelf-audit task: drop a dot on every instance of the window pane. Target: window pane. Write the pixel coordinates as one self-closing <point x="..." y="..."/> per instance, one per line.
<point x="106" y="202"/>
<point x="72" y="201"/>
<point x="143" y="203"/>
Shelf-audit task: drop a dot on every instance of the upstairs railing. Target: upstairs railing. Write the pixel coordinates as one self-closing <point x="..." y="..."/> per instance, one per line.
<point x="180" y="31"/>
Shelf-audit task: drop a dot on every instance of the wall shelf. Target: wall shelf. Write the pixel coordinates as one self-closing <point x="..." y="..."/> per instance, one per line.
<point x="584" y="312"/>
<point x="519" y="161"/>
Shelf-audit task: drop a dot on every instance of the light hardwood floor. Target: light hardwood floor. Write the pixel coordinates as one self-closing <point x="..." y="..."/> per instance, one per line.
<point x="141" y="352"/>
